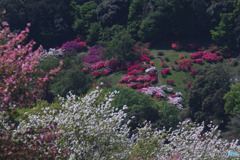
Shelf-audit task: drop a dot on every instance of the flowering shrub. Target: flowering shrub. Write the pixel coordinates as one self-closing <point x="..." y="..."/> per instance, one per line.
<point x="165" y="71"/>
<point x="133" y="72"/>
<point x="31" y="143"/>
<point x="185" y="64"/>
<point x="163" y="64"/>
<point x="151" y="91"/>
<point x="73" y="46"/>
<point x="136" y="77"/>
<point x="189" y="84"/>
<point x="160" y="94"/>
<point x="173" y="67"/>
<point x="198" y="61"/>
<point x="90" y="131"/>
<point x="95" y="54"/>
<point x="141" y="49"/>
<point x="170" y="81"/>
<point x="209" y="57"/>
<point x="175" y="45"/>
<point x="52" y="52"/>
<point x="193" y="72"/>
<point x="176" y="100"/>
<point x="107" y="71"/>
<point x="20" y="79"/>
<point x="134" y="66"/>
<point x="152" y="69"/>
<point x="145" y="58"/>
<point x="87" y="131"/>
<point x="196" y="55"/>
<point x="96" y="74"/>
<point x="181" y="56"/>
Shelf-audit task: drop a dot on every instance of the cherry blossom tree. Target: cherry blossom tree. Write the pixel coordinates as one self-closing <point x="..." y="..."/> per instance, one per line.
<point x="20" y="80"/>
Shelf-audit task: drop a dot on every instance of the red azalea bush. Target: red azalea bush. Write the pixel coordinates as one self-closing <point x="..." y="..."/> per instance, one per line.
<point x="107" y="66"/>
<point x="175" y="45"/>
<point x="134" y="66"/>
<point x="185" y="64"/>
<point x="141" y="49"/>
<point x="181" y="56"/>
<point x="163" y="64"/>
<point x="170" y="81"/>
<point x="133" y="72"/>
<point x="165" y="71"/>
<point x="96" y="74"/>
<point x="145" y="58"/>
<point x="136" y="77"/>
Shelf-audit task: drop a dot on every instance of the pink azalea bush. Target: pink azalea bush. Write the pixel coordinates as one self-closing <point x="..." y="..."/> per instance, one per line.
<point x="20" y="79"/>
<point x="193" y="72"/>
<point x="76" y="45"/>
<point x="189" y="84"/>
<point x="137" y="77"/>
<point x="198" y="61"/>
<point x="207" y="56"/>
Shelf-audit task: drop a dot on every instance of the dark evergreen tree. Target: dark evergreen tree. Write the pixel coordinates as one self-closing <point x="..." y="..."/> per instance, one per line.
<point x="206" y="95"/>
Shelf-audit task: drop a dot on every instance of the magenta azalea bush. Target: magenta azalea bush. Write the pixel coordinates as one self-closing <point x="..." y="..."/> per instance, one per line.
<point x="95" y="54"/>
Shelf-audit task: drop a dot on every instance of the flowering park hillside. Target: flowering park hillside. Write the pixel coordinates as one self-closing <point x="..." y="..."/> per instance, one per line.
<point x="119" y="79"/>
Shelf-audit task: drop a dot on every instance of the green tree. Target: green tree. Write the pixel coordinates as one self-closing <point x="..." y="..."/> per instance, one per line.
<point x="120" y="46"/>
<point x="111" y="12"/>
<point x="233" y="128"/>
<point x="84" y="16"/>
<point x="227" y="33"/>
<point x="206" y="95"/>
<point x="232" y="98"/>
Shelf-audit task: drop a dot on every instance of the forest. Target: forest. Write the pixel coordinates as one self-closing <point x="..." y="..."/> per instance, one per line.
<point x="119" y="79"/>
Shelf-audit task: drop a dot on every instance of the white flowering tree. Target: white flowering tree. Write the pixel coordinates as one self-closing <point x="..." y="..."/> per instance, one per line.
<point x="90" y="131"/>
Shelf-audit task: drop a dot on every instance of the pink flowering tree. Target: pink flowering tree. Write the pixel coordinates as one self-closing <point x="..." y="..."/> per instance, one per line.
<point x="20" y="80"/>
